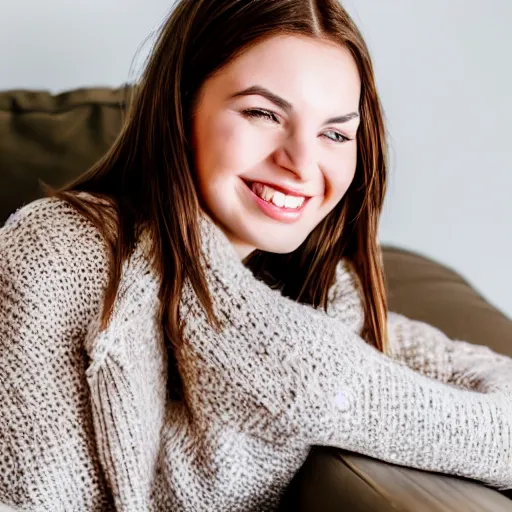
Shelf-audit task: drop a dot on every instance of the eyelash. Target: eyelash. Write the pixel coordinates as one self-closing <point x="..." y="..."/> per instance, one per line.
<point x="256" y="113"/>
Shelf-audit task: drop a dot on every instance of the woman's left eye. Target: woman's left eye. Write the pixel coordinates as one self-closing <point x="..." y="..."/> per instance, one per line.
<point x="338" y="137"/>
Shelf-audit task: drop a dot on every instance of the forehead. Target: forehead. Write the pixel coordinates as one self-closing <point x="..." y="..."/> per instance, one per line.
<point x="307" y="72"/>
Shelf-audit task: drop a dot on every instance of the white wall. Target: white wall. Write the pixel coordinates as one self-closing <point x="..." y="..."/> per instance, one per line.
<point x="60" y="44"/>
<point x="444" y="73"/>
<point x="445" y="76"/>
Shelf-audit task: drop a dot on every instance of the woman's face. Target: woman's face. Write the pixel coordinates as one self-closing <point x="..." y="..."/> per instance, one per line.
<point x="274" y="136"/>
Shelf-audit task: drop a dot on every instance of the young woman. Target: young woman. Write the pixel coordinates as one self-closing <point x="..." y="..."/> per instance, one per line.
<point x="180" y="325"/>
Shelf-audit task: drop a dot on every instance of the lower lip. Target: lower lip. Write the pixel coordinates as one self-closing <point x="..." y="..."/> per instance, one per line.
<point x="277" y="212"/>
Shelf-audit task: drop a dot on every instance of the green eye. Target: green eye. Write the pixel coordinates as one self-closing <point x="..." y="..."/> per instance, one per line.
<point x="338" y="137"/>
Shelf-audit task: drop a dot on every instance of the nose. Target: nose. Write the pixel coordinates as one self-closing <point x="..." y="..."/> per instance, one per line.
<point x="297" y="154"/>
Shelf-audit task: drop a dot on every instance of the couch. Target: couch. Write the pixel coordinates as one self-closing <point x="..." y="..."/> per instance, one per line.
<point x="56" y="137"/>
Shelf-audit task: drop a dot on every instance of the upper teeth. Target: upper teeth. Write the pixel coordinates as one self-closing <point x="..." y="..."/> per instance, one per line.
<point x="278" y="198"/>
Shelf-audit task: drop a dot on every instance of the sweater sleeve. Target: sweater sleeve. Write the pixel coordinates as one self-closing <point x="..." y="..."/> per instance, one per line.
<point x="429" y="351"/>
<point x="297" y="376"/>
<point x="423" y="347"/>
<point x="51" y="269"/>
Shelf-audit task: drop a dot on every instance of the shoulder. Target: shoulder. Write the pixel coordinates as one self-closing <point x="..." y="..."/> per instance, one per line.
<point x="49" y="249"/>
<point x="47" y="221"/>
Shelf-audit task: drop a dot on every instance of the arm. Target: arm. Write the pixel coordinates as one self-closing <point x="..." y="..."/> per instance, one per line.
<point x="429" y="351"/>
<point x="422" y="347"/>
<point x="48" y="459"/>
<point x="296" y="376"/>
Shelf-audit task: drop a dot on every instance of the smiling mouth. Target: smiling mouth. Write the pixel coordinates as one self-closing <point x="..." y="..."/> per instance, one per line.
<point x="278" y="198"/>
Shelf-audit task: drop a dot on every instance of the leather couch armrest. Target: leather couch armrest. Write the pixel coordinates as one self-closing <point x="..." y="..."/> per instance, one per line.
<point x="334" y="480"/>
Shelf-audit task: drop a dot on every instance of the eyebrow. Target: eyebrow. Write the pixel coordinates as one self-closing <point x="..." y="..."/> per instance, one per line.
<point x="286" y="105"/>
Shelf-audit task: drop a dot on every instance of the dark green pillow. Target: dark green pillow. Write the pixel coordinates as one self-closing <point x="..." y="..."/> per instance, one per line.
<point x="53" y="138"/>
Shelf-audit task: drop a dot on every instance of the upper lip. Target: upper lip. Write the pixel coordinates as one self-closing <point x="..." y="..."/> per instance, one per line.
<point x="281" y="188"/>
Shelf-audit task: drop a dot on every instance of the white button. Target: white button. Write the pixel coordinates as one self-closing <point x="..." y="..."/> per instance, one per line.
<point x="341" y="401"/>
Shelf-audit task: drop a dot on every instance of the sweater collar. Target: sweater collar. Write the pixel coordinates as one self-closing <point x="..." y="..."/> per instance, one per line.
<point x="219" y="253"/>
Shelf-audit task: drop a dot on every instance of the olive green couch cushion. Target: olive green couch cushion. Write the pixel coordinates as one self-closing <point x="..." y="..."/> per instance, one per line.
<point x="55" y="138"/>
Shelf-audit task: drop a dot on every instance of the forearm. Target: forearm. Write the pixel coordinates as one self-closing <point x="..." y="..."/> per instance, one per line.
<point x="422" y="347"/>
<point x="429" y="351"/>
<point x="323" y="385"/>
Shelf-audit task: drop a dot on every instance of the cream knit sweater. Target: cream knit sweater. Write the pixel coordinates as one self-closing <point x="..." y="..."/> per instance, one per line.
<point x="86" y="424"/>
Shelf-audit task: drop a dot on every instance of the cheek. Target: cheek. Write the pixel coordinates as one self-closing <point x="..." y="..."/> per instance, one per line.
<point x="339" y="176"/>
<point x="211" y="138"/>
<point x="229" y="147"/>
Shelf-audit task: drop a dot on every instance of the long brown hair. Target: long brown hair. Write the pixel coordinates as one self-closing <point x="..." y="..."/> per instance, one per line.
<point x="148" y="178"/>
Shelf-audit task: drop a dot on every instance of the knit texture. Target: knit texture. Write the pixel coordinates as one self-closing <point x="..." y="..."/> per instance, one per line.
<point x="86" y="423"/>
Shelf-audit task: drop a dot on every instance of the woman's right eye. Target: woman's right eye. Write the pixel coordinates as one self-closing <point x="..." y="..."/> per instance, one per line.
<point x="261" y="114"/>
